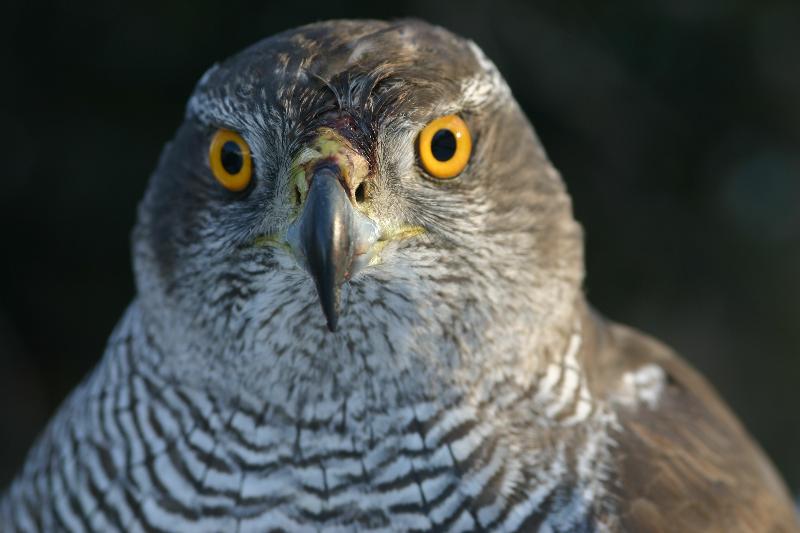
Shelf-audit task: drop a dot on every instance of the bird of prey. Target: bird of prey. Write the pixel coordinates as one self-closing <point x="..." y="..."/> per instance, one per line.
<point x="359" y="308"/>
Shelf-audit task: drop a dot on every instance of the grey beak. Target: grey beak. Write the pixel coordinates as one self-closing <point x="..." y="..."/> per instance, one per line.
<point x="329" y="237"/>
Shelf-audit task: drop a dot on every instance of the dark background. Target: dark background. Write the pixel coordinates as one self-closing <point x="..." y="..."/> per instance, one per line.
<point x="676" y="124"/>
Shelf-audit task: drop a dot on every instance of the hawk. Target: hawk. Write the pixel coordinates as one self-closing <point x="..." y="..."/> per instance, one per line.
<point x="359" y="308"/>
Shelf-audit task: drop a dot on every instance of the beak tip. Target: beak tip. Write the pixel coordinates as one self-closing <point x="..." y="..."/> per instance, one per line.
<point x="332" y="325"/>
<point x="330" y="307"/>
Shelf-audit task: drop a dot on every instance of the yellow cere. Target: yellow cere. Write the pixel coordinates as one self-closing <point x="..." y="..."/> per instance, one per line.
<point x="327" y="145"/>
<point x="230" y="160"/>
<point x="444" y="147"/>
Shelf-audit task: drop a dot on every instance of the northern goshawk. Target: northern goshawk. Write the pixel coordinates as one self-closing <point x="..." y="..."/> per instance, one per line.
<point x="452" y="379"/>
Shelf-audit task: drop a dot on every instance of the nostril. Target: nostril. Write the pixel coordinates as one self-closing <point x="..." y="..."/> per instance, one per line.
<point x="298" y="196"/>
<point x="361" y="192"/>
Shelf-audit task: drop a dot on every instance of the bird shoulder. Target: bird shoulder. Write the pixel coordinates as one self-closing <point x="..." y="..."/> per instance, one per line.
<point x="684" y="462"/>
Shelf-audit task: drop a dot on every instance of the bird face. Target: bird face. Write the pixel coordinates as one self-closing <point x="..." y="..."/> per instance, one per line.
<point x="382" y="170"/>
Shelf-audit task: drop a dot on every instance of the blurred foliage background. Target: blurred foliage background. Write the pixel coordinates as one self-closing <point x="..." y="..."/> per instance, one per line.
<point x="676" y="124"/>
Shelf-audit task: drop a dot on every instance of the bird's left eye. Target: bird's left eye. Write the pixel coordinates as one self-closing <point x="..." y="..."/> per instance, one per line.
<point x="229" y="159"/>
<point x="444" y="147"/>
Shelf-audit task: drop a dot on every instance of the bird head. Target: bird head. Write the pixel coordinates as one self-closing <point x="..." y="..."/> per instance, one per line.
<point x="365" y="181"/>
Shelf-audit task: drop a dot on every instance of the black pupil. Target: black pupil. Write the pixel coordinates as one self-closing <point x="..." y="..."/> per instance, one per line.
<point x="231" y="157"/>
<point x="443" y="145"/>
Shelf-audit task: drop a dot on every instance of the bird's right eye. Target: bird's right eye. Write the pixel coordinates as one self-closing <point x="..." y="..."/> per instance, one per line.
<point x="230" y="161"/>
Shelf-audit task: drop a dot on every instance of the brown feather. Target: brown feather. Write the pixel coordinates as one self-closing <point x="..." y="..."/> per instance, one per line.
<point x="686" y="463"/>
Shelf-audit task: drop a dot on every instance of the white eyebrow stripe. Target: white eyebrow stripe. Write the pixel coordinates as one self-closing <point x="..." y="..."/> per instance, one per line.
<point x="485" y="85"/>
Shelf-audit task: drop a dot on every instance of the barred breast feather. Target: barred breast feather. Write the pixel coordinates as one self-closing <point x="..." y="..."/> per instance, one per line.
<point x="132" y="451"/>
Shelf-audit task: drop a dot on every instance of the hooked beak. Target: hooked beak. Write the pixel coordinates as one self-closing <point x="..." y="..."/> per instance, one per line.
<point x="331" y="238"/>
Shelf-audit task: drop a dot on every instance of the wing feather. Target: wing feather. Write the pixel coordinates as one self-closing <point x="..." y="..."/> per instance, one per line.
<point x="685" y="463"/>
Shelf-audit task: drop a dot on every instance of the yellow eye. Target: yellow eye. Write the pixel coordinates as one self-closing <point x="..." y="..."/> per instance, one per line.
<point x="229" y="159"/>
<point x="444" y="147"/>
